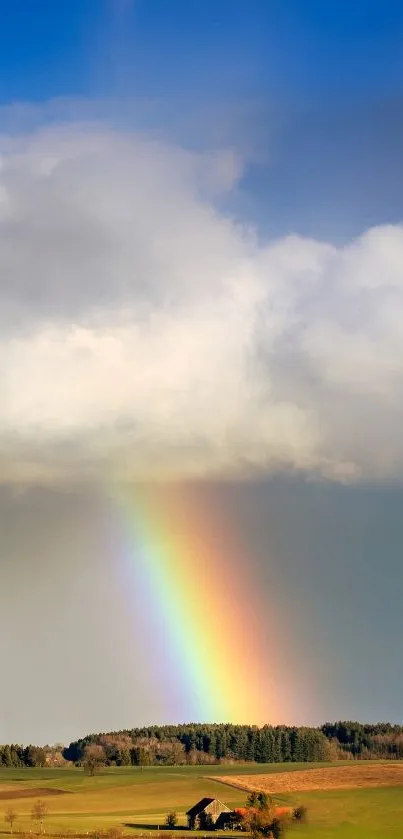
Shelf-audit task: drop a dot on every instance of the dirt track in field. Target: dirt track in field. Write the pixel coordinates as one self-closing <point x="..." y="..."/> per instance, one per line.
<point x="338" y="777"/>
<point x="11" y="793"/>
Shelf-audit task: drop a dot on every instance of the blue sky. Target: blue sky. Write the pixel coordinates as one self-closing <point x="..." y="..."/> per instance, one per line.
<point x="284" y="48"/>
<point x="311" y="91"/>
<point x="159" y="321"/>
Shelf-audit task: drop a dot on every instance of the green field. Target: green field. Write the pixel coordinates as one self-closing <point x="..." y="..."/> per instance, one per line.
<point x="353" y="814"/>
<point x="137" y="801"/>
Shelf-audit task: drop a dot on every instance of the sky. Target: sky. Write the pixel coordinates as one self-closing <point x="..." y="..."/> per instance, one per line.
<point x="201" y="288"/>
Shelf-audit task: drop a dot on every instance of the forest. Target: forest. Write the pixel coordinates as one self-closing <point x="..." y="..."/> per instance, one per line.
<point x="214" y="743"/>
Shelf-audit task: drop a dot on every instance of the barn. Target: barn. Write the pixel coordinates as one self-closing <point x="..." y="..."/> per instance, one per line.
<point x="206" y="812"/>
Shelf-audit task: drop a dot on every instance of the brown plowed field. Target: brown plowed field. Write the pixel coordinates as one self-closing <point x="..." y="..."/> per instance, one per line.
<point x="337" y="777"/>
<point x="9" y="793"/>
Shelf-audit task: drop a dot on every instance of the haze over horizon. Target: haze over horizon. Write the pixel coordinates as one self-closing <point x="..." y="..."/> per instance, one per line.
<point x="201" y="288"/>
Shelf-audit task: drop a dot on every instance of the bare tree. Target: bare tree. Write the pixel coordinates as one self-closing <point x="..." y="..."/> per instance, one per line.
<point x="38" y="813"/>
<point x="10" y="816"/>
<point x="94" y="758"/>
<point x="171" y="820"/>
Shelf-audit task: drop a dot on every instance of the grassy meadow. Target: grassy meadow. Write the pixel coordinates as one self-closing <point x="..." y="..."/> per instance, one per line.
<point x="137" y="801"/>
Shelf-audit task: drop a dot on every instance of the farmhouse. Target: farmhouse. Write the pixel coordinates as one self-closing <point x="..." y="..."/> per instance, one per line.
<point x="207" y="812"/>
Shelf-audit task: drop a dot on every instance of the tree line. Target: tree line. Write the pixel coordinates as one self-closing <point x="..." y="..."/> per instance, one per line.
<point x="197" y="743"/>
<point x="17" y="756"/>
<point x="366" y="741"/>
<point x="173" y="745"/>
<point x="209" y="743"/>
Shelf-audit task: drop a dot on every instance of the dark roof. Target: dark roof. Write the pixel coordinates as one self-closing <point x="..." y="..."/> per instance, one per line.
<point x="198" y="808"/>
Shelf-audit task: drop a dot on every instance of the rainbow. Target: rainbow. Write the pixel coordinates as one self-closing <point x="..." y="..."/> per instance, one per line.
<point x="196" y="579"/>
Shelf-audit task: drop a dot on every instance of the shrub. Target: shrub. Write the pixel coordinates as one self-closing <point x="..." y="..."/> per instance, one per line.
<point x="206" y="821"/>
<point x="300" y="813"/>
<point x="277" y="828"/>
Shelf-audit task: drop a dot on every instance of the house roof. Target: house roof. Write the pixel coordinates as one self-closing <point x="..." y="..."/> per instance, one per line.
<point x="199" y="807"/>
<point x="202" y="804"/>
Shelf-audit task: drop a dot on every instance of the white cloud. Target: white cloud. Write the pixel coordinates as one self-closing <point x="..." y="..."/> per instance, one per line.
<point x="144" y="334"/>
